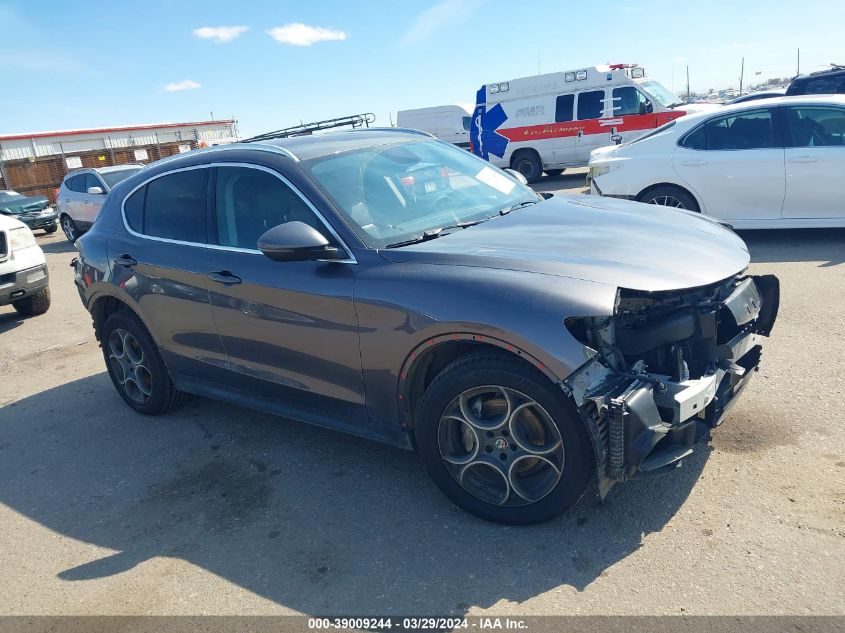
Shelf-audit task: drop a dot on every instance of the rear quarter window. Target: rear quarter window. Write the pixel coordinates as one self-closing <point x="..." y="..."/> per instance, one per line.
<point x="133" y="210"/>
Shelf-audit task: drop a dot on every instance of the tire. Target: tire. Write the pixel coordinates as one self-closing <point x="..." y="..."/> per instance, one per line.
<point x="70" y="229"/>
<point x="487" y="470"/>
<point x="554" y="172"/>
<point x="36" y="303"/>
<point x="670" y="196"/>
<point x="528" y="164"/>
<point x="52" y="228"/>
<point x="135" y="365"/>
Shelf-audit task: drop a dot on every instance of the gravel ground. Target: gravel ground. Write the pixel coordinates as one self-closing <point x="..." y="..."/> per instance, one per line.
<point x="215" y="509"/>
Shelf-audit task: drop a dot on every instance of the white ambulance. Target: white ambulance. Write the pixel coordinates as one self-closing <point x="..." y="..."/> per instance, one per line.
<point x="449" y="123"/>
<point x="553" y="121"/>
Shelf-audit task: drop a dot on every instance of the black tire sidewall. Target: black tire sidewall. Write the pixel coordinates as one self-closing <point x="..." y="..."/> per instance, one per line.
<point x="578" y="461"/>
<point x="533" y="161"/>
<point x="160" y="378"/>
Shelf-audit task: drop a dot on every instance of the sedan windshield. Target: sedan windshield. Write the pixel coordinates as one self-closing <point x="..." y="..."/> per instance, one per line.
<point x="661" y="93"/>
<point x="401" y="192"/>
<point x="114" y="177"/>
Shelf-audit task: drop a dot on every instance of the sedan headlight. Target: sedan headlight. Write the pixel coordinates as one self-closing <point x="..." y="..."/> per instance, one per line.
<point x="599" y="170"/>
<point x="21" y="238"/>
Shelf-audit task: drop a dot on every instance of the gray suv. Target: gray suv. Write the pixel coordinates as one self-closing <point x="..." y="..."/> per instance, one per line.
<point x="82" y="193"/>
<point x="393" y="286"/>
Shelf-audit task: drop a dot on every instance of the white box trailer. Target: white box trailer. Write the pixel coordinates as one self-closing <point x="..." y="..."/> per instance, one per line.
<point x="553" y="121"/>
<point x="449" y="123"/>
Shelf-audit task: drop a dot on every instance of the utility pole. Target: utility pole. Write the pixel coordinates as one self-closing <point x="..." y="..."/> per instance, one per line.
<point x="741" y="75"/>
<point x="798" y="65"/>
<point x="688" y="92"/>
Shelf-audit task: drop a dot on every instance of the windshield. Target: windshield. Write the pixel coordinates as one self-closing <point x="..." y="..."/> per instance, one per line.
<point x="8" y="194"/>
<point x="397" y="192"/>
<point x="661" y="93"/>
<point x="114" y="177"/>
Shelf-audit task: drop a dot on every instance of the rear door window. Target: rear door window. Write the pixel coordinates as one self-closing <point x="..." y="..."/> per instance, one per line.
<point x="590" y="104"/>
<point x="564" y="105"/>
<point x="175" y="206"/>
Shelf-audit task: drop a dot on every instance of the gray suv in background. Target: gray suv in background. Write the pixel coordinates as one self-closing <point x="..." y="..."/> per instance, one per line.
<point x="393" y="286"/>
<point x="81" y="195"/>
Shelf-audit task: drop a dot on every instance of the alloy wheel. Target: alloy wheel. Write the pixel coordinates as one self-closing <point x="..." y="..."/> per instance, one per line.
<point x="667" y="201"/>
<point x="128" y="365"/>
<point x="501" y="446"/>
<point x="68" y="228"/>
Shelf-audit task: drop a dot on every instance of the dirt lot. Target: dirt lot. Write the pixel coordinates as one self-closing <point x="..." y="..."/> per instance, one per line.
<point x="217" y="509"/>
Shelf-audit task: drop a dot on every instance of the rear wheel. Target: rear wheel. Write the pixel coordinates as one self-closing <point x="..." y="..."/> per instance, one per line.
<point x="69" y="228"/>
<point x="528" y="164"/>
<point x="669" y="196"/>
<point x="500" y="442"/>
<point x="36" y="303"/>
<point x="135" y="365"/>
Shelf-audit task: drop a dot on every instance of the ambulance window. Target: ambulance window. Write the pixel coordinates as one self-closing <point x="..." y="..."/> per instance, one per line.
<point x="628" y="100"/>
<point x="590" y="104"/>
<point x="563" y="108"/>
<point x="465" y="121"/>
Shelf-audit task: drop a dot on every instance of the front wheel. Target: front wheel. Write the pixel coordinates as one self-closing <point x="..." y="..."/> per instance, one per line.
<point x="135" y="365"/>
<point x="69" y="228"/>
<point x="669" y="196"/>
<point x="501" y="442"/>
<point x="36" y="303"/>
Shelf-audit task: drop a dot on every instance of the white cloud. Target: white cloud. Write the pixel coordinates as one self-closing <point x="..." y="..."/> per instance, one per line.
<point x="444" y="14"/>
<point x="298" y="34"/>
<point x="220" y="34"/>
<point x="187" y="84"/>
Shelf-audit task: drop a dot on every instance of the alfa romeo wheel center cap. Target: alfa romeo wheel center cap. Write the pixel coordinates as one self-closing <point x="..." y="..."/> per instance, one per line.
<point x="500" y="443"/>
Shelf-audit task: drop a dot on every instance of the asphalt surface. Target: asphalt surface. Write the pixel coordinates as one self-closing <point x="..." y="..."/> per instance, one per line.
<point x="215" y="509"/>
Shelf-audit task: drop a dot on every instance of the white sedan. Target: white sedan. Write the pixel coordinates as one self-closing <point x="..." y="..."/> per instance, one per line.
<point x="773" y="163"/>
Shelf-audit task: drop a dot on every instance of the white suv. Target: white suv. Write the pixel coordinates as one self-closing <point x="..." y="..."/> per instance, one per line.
<point x="23" y="270"/>
<point x="82" y="194"/>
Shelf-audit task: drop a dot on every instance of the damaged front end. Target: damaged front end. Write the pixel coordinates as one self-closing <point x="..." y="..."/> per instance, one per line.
<point x="667" y="367"/>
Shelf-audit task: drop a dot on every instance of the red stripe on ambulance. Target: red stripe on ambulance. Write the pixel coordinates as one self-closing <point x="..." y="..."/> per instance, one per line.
<point x="590" y="126"/>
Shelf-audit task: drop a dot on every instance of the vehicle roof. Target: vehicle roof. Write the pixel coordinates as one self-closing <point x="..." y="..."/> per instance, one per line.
<point x="838" y="100"/>
<point x="104" y="170"/>
<point x="312" y="146"/>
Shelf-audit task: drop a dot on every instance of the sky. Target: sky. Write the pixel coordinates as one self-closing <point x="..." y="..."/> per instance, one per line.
<point x="271" y="64"/>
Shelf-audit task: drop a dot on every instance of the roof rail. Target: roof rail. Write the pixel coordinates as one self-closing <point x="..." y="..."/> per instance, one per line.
<point x="354" y="120"/>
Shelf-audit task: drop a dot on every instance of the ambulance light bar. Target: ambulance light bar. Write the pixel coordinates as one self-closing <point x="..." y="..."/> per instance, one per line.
<point x="579" y="75"/>
<point x="500" y="87"/>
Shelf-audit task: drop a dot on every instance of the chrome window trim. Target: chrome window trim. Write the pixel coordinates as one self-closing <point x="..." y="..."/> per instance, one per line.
<point x="349" y="260"/>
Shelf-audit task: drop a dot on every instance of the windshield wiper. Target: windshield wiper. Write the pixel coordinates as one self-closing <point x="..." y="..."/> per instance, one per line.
<point x="518" y="205"/>
<point x="435" y="233"/>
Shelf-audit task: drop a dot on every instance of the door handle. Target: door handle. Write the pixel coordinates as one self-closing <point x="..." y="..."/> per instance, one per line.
<point x="125" y="260"/>
<point x="224" y="277"/>
<point x="803" y="159"/>
<point x="694" y="162"/>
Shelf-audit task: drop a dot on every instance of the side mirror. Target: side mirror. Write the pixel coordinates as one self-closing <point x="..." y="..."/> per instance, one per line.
<point x="516" y="175"/>
<point x="95" y="191"/>
<point x="646" y="107"/>
<point x="296" y="242"/>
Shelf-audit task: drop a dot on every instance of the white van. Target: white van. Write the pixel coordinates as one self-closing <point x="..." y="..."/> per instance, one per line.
<point x="449" y="123"/>
<point x="553" y="121"/>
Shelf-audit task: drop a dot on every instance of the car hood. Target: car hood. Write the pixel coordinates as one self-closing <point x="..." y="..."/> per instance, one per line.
<point x="21" y="204"/>
<point x="615" y="242"/>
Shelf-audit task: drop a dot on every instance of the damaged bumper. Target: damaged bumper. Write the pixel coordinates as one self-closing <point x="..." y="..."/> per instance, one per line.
<point x="659" y="383"/>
